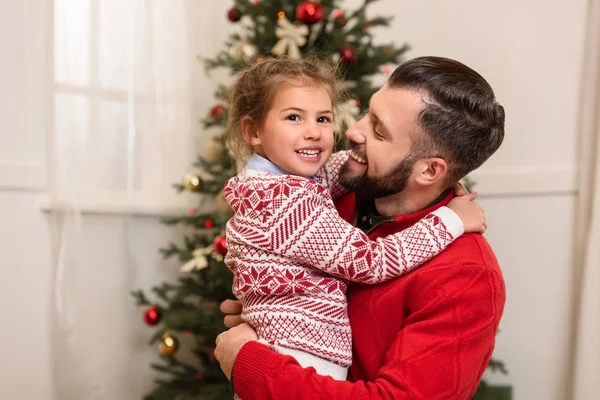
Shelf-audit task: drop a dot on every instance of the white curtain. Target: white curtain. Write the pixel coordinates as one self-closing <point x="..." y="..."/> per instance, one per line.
<point x="123" y="129"/>
<point x="586" y="372"/>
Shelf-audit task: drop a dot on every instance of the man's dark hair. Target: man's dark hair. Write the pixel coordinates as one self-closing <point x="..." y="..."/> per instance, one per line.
<point x="461" y="122"/>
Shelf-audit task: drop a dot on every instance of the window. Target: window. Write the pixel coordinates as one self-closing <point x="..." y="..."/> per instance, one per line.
<point x="124" y="126"/>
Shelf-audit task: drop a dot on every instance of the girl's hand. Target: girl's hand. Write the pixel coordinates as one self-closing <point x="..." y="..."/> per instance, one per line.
<point x="470" y="212"/>
<point x="460" y="190"/>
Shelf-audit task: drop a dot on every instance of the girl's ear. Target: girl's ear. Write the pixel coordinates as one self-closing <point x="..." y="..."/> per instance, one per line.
<point x="250" y="131"/>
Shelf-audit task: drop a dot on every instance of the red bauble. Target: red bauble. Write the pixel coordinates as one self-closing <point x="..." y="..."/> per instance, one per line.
<point x="152" y="316"/>
<point x="234" y="15"/>
<point x="309" y="12"/>
<point x="340" y="19"/>
<point x="220" y="245"/>
<point x="217" y="111"/>
<point x="208" y="223"/>
<point x="199" y="375"/>
<point x="348" y="55"/>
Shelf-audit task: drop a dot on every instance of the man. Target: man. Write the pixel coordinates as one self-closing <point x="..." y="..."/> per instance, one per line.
<point x="429" y="334"/>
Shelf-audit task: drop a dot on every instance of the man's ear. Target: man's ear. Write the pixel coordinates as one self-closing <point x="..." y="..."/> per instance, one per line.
<point x="431" y="171"/>
<point x="250" y="131"/>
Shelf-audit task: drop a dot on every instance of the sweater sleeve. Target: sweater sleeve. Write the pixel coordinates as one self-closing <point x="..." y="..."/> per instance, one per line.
<point x="307" y="228"/>
<point x="440" y="352"/>
<point x="329" y="175"/>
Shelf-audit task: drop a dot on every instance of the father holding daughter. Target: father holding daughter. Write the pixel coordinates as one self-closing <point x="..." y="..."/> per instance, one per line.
<point x="427" y="334"/>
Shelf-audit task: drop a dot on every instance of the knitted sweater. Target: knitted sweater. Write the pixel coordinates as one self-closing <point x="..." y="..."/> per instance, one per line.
<point x="292" y="255"/>
<point x="428" y="335"/>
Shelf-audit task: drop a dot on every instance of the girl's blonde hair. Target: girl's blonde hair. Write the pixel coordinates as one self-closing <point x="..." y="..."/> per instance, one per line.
<point x="253" y="93"/>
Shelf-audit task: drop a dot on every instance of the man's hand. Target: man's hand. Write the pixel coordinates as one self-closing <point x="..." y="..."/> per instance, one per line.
<point x="229" y="344"/>
<point x="232" y="310"/>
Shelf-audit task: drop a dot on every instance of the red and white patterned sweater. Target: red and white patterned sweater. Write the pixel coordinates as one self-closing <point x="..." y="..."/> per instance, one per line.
<point x="292" y="254"/>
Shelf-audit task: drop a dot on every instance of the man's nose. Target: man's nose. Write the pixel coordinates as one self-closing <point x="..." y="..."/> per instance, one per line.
<point x="355" y="133"/>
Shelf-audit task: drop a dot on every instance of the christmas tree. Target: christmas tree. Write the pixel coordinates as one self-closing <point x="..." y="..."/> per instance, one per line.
<point x="190" y="306"/>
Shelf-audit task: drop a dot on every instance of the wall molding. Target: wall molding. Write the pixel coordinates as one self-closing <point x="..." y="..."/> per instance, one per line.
<point x="526" y="181"/>
<point x="505" y="182"/>
<point x="22" y="176"/>
<point x="135" y="203"/>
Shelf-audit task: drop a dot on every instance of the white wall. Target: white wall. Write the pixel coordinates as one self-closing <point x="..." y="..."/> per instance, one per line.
<point x="24" y="238"/>
<point x="530" y="52"/>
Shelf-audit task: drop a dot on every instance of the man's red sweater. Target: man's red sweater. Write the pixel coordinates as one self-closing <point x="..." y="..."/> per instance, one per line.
<point x="426" y="335"/>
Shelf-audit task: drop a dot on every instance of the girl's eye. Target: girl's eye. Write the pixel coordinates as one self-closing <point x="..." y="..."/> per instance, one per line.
<point x="293" y="117"/>
<point x="323" y="120"/>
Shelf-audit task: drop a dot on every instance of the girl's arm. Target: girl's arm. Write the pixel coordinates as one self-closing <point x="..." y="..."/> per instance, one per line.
<point x="329" y="175"/>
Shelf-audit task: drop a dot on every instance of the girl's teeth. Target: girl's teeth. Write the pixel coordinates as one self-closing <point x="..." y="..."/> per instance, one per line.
<point x="309" y="153"/>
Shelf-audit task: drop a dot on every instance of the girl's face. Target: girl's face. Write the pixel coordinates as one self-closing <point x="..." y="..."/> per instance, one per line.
<point x="297" y="134"/>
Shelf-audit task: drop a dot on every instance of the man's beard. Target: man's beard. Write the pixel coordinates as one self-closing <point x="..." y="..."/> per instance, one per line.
<point x="375" y="187"/>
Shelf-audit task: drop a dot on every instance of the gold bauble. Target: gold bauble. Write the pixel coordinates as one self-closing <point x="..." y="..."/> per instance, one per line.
<point x="243" y="51"/>
<point x="212" y="150"/>
<point x="169" y="345"/>
<point x="223" y="205"/>
<point x="192" y="182"/>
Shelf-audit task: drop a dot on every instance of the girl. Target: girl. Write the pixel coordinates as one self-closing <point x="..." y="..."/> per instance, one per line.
<point x="290" y="252"/>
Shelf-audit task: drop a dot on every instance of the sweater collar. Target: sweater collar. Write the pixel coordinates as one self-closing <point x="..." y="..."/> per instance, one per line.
<point x="261" y="164"/>
<point x="390" y="225"/>
<point x="408" y="220"/>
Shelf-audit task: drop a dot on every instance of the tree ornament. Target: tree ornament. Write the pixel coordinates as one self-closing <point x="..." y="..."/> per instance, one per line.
<point x="198" y="261"/>
<point x="213" y="149"/>
<point x="348" y="55"/>
<point x="217" y="111"/>
<point x="208" y="223"/>
<point x="220" y="245"/>
<point x="234" y="15"/>
<point x="199" y="375"/>
<point x="347" y="115"/>
<point x="223" y="205"/>
<point x="340" y="19"/>
<point x="386" y="70"/>
<point x="169" y="344"/>
<point x="291" y="38"/>
<point x="309" y="12"/>
<point x="243" y="50"/>
<point x="152" y="316"/>
<point x="192" y="182"/>
<point x="191" y="212"/>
